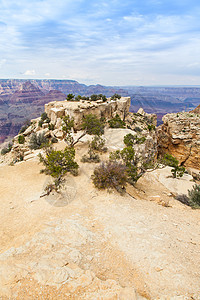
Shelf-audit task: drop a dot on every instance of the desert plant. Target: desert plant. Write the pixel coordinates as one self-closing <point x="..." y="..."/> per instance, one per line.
<point x="58" y="163"/>
<point x="6" y="149"/>
<point x="21" y="139"/>
<point x="169" y="160"/>
<point x="25" y="126"/>
<point x="194" y="196"/>
<point x="117" y="122"/>
<point x="69" y="124"/>
<point x="92" y="125"/>
<point x="130" y="139"/>
<point x="110" y="175"/>
<point x="98" y="144"/>
<point x="115" y="96"/>
<point x="70" y="97"/>
<point x="37" y="141"/>
<point x="151" y="127"/>
<point x="128" y="158"/>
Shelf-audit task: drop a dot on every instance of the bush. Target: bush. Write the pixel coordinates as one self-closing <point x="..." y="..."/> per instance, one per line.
<point x="194" y="196"/>
<point x="69" y="124"/>
<point x="151" y="127"/>
<point x="92" y="125"/>
<point x="130" y="140"/>
<point x="115" y="96"/>
<point x="37" y="141"/>
<point x="58" y="163"/>
<point x="127" y="156"/>
<point x="21" y="139"/>
<point x="6" y="149"/>
<point x="116" y="122"/>
<point x="110" y="175"/>
<point x="70" y="97"/>
<point x="169" y="160"/>
<point x="98" y="144"/>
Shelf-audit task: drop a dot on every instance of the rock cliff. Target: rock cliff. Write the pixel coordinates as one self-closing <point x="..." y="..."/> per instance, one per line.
<point x="180" y="136"/>
<point x="55" y="110"/>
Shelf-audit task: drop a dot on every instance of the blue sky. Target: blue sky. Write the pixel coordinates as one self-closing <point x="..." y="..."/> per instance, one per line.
<point x="115" y="42"/>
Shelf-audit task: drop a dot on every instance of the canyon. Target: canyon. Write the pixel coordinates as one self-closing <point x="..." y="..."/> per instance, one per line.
<point x="22" y="100"/>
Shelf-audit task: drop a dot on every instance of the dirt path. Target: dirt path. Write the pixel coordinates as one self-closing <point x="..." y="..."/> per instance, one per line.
<point x="88" y="244"/>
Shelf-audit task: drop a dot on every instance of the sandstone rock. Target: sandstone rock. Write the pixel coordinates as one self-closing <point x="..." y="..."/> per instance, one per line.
<point x="127" y="294"/>
<point x="179" y="136"/>
<point x="77" y="110"/>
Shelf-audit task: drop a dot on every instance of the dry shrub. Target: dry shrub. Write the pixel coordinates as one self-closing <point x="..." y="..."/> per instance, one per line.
<point x="110" y="175"/>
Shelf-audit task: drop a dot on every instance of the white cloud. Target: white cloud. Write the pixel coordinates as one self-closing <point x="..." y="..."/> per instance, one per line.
<point x="30" y="72"/>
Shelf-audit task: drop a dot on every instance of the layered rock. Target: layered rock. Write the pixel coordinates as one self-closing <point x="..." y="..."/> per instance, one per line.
<point x="180" y="136"/>
<point x="56" y="110"/>
<point x="27" y="93"/>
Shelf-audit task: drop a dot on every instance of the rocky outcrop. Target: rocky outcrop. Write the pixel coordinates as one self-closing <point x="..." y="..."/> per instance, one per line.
<point x="180" y="136"/>
<point x="56" y="110"/>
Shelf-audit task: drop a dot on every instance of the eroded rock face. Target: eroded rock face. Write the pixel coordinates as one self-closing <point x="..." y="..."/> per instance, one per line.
<point x="180" y="136"/>
<point x="79" y="109"/>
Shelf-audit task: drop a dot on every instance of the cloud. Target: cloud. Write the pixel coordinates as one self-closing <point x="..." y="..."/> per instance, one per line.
<point x="107" y="41"/>
<point x="30" y="72"/>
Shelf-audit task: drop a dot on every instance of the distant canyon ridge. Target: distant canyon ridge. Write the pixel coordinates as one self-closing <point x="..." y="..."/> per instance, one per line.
<point x="22" y="100"/>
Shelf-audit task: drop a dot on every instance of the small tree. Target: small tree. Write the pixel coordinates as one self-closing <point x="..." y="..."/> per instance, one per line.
<point x="171" y="161"/>
<point x="21" y="139"/>
<point x="128" y="158"/>
<point x="69" y="124"/>
<point x="117" y="122"/>
<point x="58" y="163"/>
<point x="92" y="125"/>
<point x="70" y="97"/>
<point x="115" y="96"/>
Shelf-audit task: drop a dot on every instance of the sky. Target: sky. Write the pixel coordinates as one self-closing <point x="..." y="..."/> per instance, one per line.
<point x="115" y="42"/>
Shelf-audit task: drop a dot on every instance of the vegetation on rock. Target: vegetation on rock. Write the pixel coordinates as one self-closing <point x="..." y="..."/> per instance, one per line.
<point x="194" y="196"/>
<point x="37" y="141"/>
<point x="58" y="163"/>
<point x="110" y="175"/>
<point x="169" y="160"/>
<point x="21" y="139"/>
<point x="117" y="122"/>
<point x="6" y="149"/>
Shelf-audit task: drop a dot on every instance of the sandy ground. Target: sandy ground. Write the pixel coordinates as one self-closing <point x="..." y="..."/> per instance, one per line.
<point x="101" y="244"/>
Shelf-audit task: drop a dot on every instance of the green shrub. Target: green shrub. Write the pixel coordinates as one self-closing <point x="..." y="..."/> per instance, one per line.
<point x="21" y="139"/>
<point x="6" y="149"/>
<point x="138" y="129"/>
<point x="40" y="123"/>
<point x="51" y="126"/>
<point x="70" y="97"/>
<point x="151" y="127"/>
<point x="37" y="141"/>
<point x="116" y="122"/>
<point x="169" y="160"/>
<point x="127" y="156"/>
<point x="130" y="140"/>
<point x="110" y="175"/>
<point x="92" y="125"/>
<point x="194" y="196"/>
<point x="44" y="116"/>
<point x="115" y="96"/>
<point x="58" y="163"/>
<point x="69" y="124"/>
<point x="98" y="144"/>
